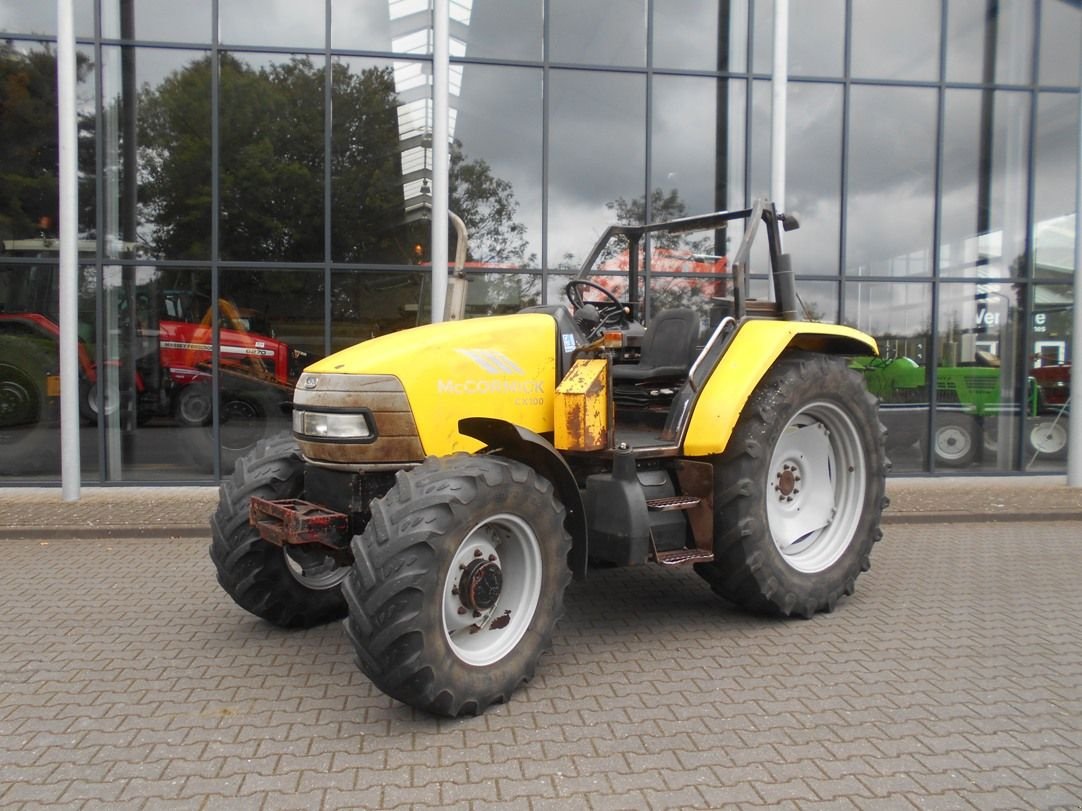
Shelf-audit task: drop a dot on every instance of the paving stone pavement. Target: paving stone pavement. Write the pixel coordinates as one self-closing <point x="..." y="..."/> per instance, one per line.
<point x="951" y="679"/>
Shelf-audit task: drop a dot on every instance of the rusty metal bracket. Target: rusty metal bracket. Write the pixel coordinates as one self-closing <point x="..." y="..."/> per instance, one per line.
<point x="294" y="521"/>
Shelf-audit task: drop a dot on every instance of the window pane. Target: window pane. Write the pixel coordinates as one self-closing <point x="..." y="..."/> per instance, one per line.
<point x="700" y="34"/>
<point x="367" y="304"/>
<point x="816" y="37"/>
<point x="611" y="33"/>
<point x="979" y="413"/>
<point x="159" y="134"/>
<point x="597" y="159"/>
<point x="1061" y="42"/>
<point x="496" y="165"/>
<point x="891" y="169"/>
<point x="989" y="49"/>
<point x="502" y="29"/>
<point x="271" y="327"/>
<point x="280" y="23"/>
<point x="40" y="18"/>
<point x="372" y="137"/>
<point x="898" y="316"/>
<point x="1046" y="428"/>
<point x="813" y="172"/>
<point x="271" y="173"/>
<point x="162" y="20"/>
<point x="983" y="228"/>
<point x="1055" y="177"/>
<point x="895" y="40"/>
<point x="697" y="157"/>
<point x="29" y="187"/>
<point x="396" y="26"/>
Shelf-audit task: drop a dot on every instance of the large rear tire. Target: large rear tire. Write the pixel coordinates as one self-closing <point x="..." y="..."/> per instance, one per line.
<point x="800" y="490"/>
<point x="458" y="582"/>
<point x="289" y="586"/>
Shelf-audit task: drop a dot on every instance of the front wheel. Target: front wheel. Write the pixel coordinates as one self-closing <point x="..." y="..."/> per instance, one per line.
<point x="289" y="586"/>
<point x="800" y="490"/>
<point x="457" y="583"/>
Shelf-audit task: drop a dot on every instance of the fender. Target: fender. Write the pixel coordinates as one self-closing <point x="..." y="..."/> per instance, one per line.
<point x="523" y="445"/>
<point x="752" y="352"/>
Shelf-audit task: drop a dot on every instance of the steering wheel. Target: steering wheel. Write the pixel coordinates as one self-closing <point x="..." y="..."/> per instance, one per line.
<point x="612" y="312"/>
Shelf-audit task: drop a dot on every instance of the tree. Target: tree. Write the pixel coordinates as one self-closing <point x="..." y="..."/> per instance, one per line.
<point x="28" y="132"/>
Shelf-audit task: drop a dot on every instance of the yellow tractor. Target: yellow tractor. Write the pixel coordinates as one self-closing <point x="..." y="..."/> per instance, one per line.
<point x="442" y="485"/>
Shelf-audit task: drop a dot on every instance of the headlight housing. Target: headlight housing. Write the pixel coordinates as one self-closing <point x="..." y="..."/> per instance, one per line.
<point x="355" y="426"/>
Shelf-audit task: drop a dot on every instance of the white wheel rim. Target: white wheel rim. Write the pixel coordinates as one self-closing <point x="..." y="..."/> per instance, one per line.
<point x="1048" y="437"/>
<point x="93" y="396"/>
<point x="483" y="624"/>
<point x="953" y="442"/>
<point x="816" y="483"/>
<point x="312" y="568"/>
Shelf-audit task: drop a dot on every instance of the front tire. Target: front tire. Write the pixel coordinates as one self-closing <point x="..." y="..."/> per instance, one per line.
<point x="289" y="586"/>
<point x="800" y="491"/>
<point x="458" y="583"/>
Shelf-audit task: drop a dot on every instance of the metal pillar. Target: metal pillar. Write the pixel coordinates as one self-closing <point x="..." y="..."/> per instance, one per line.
<point x="779" y="86"/>
<point x="1074" y="424"/>
<point x="441" y="152"/>
<point x="69" y="252"/>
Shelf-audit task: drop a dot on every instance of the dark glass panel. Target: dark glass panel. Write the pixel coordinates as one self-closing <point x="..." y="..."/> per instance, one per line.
<point x="983" y="47"/>
<point x="611" y="33"/>
<point x="271" y="327"/>
<point x="29" y="188"/>
<point x="890" y="204"/>
<point x="272" y="158"/>
<point x="812" y="177"/>
<point x="366" y="304"/>
<point x="898" y="316"/>
<point x="1060" y="48"/>
<point x="1046" y="428"/>
<point x="597" y="159"/>
<point x="895" y="40"/>
<point x="983" y="226"/>
<point x="381" y="166"/>
<point x="168" y="119"/>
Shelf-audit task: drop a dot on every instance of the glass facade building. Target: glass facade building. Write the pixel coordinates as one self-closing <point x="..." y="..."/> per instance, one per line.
<point x="255" y="192"/>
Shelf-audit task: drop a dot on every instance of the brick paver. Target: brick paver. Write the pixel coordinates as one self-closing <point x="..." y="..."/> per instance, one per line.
<point x="951" y="679"/>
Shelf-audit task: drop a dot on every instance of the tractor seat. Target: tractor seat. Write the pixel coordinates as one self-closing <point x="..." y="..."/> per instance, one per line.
<point x="667" y="348"/>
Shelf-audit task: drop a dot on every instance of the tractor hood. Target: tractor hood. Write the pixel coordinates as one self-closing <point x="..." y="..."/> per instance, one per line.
<point x="502" y="367"/>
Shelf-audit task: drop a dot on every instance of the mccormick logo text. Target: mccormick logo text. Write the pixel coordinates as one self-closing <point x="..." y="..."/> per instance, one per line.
<point x="495" y="363"/>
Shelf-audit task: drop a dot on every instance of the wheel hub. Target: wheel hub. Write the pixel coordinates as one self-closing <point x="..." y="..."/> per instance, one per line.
<point x="480" y="585"/>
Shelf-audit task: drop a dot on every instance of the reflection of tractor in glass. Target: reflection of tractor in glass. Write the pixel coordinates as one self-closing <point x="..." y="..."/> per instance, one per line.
<point x="161" y="360"/>
<point x="968" y="401"/>
<point x="442" y="484"/>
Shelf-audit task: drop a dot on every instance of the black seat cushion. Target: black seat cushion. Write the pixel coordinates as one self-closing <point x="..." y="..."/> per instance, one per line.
<point x="667" y="348"/>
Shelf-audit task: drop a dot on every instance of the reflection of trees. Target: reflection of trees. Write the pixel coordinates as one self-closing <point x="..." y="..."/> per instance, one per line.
<point x="28" y="135"/>
<point x="271" y="179"/>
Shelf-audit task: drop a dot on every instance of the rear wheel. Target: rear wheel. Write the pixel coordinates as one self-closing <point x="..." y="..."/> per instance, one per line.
<point x="1046" y="437"/>
<point x="458" y="582"/>
<point x="29" y="435"/>
<point x="800" y="491"/>
<point x="290" y="586"/>
<point x="955" y="439"/>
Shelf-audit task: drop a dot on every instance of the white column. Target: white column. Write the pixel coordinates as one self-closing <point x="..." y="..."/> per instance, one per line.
<point x="1074" y="425"/>
<point x="69" y="252"/>
<point x="440" y="154"/>
<point x="778" y="114"/>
